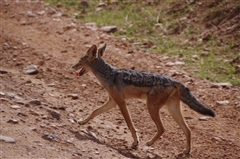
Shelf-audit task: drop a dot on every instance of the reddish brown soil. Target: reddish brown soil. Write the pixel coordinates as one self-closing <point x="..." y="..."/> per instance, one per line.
<point x="32" y="33"/>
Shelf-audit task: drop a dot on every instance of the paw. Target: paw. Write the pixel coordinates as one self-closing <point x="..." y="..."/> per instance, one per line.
<point x="186" y="152"/>
<point x="134" y="145"/>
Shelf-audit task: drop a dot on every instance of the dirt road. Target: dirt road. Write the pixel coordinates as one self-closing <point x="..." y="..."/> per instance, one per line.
<point x="39" y="110"/>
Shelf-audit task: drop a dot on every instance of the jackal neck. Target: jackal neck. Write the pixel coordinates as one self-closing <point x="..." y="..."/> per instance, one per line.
<point x="100" y="67"/>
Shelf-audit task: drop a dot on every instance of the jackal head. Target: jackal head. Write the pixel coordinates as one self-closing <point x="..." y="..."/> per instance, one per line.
<point x="85" y="62"/>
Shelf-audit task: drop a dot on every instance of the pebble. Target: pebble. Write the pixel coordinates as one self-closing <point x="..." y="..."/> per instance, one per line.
<point x="35" y="102"/>
<point x="195" y="57"/>
<point x="109" y="29"/>
<point x="218" y="85"/>
<point x="74" y="96"/>
<point x="34" y="112"/>
<point x="177" y="63"/>
<point x="217" y="138"/>
<point x="71" y="121"/>
<point x="12" y="121"/>
<point x="70" y="140"/>
<point x="55" y="114"/>
<point x="41" y="12"/>
<point x="2" y="94"/>
<point x="31" y="70"/>
<point x="15" y="107"/>
<point x="204" y="118"/>
<point x="31" y="14"/>
<point x="50" y="137"/>
<point x="7" y="139"/>
<point x="6" y="46"/>
<point x="3" y="72"/>
<point x="224" y="102"/>
<point x="11" y="95"/>
<point x="92" y="26"/>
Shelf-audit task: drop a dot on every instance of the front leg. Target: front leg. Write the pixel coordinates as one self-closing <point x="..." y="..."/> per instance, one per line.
<point x="127" y="117"/>
<point x="105" y="107"/>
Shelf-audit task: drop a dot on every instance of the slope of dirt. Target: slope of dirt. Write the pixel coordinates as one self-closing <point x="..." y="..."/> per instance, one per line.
<point x="40" y="111"/>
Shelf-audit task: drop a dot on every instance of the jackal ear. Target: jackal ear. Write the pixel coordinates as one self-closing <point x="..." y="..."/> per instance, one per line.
<point x="101" y="50"/>
<point x="92" y="52"/>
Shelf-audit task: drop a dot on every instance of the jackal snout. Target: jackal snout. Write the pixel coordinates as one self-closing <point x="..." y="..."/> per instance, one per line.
<point x="80" y="67"/>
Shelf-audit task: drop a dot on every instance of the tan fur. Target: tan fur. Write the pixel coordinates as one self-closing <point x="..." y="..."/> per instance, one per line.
<point x="121" y="86"/>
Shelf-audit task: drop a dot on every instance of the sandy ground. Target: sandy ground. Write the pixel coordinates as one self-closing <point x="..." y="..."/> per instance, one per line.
<point x="39" y="112"/>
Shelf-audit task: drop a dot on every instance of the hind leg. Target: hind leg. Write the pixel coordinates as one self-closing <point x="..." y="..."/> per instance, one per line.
<point x="175" y="111"/>
<point x="153" y="109"/>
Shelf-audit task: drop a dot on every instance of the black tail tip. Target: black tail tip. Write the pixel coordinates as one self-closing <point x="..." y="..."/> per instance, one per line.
<point x="212" y="113"/>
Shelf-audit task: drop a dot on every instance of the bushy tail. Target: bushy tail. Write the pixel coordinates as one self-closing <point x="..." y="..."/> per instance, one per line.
<point x="189" y="99"/>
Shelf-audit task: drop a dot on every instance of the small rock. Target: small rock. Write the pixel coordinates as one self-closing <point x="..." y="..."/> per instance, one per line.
<point x="7" y="139"/>
<point x="92" y="26"/>
<point x="15" y="107"/>
<point x="3" y="72"/>
<point x="64" y="51"/>
<point x="179" y="63"/>
<point x="31" y="14"/>
<point x="217" y="139"/>
<point x="11" y="95"/>
<point x="74" y="96"/>
<point x="52" y="84"/>
<point x="109" y="29"/>
<point x="41" y="12"/>
<point x="147" y="148"/>
<point x="21" y="114"/>
<point x="83" y="85"/>
<point x="6" y="46"/>
<point x="21" y="102"/>
<point x="188" y="118"/>
<point x="217" y="85"/>
<point x="31" y="70"/>
<point x="224" y="102"/>
<point x="12" y="121"/>
<point x="59" y="14"/>
<point x="34" y="113"/>
<point x="70" y="140"/>
<point x="204" y="118"/>
<point x="2" y="94"/>
<point x="23" y="22"/>
<point x="169" y="64"/>
<point x="35" y="102"/>
<point x="150" y="156"/>
<point x="195" y="57"/>
<point x="71" y="121"/>
<point x="50" y="137"/>
<point x="204" y="54"/>
<point x="54" y="113"/>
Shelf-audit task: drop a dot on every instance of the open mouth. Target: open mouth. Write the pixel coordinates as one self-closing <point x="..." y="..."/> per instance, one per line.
<point x="80" y="72"/>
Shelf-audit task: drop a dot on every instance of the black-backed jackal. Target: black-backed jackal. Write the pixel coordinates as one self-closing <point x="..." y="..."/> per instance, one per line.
<point x="158" y="90"/>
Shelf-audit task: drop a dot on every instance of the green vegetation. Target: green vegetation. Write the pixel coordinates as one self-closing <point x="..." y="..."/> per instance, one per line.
<point x="173" y="28"/>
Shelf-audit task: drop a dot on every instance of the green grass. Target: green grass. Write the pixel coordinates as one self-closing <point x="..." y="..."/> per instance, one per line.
<point x="168" y="31"/>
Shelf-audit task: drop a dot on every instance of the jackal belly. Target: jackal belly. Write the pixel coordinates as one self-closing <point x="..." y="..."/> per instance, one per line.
<point x="135" y="92"/>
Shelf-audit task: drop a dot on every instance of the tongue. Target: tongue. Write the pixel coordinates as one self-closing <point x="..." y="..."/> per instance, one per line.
<point x="81" y="71"/>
